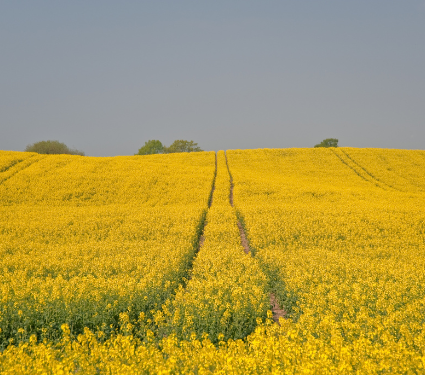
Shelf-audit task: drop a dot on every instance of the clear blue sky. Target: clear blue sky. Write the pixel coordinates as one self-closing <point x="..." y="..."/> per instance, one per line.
<point x="106" y="76"/>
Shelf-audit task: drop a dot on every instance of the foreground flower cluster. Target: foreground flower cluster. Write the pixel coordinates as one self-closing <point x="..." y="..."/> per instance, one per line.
<point x="134" y="264"/>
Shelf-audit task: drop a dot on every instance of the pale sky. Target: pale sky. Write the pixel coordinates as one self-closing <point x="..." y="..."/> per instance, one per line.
<point x="106" y="76"/>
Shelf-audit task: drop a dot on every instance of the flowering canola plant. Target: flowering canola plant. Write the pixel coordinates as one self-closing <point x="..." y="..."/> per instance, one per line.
<point x="102" y="271"/>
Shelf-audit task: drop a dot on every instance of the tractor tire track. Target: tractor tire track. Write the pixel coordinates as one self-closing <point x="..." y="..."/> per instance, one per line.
<point x="368" y="173"/>
<point x="374" y="182"/>
<point x="24" y="164"/>
<point x="244" y="241"/>
<point x="12" y="164"/>
<point x="277" y="311"/>
<point x="202" y="225"/>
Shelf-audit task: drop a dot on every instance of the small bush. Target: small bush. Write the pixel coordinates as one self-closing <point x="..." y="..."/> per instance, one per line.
<point x="52" y="147"/>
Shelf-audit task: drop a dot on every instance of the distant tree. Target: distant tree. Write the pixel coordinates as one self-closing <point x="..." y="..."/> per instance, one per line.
<point x="52" y="147"/>
<point x="328" y="142"/>
<point x="181" y="145"/>
<point x="151" y="147"/>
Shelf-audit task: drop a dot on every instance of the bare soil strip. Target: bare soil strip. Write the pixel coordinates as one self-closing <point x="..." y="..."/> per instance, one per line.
<point x="276" y="310"/>
<point x="231" y="182"/>
<point x="202" y="238"/>
<point x="244" y="241"/>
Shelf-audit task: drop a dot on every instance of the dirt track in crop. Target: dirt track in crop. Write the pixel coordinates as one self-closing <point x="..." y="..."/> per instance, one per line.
<point x="277" y="311"/>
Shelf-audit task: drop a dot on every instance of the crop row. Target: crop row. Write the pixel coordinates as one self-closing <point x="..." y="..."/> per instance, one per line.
<point x="226" y="292"/>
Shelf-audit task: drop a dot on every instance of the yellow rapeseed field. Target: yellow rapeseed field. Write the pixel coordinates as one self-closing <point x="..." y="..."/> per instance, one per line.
<point x="131" y="265"/>
<point x="85" y="239"/>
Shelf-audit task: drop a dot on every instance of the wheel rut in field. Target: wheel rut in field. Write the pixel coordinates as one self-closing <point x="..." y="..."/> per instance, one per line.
<point x="357" y="172"/>
<point x="20" y="166"/>
<point x="366" y="171"/>
<point x="277" y="311"/>
<point x="203" y="224"/>
<point x="10" y="165"/>
<point x="244" y="240"/>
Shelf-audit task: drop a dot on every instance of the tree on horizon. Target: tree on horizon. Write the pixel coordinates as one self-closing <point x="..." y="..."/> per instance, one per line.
<point x="52" y="147"/>
<point x="181" y="145"/>
<point x="328" y="142"/>
<point x="152" y="146"/>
